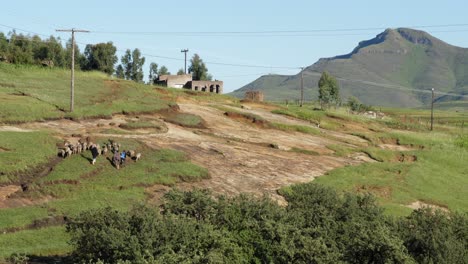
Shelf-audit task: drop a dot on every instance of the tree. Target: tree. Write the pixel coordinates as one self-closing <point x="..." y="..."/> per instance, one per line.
<point x="198" y="69"/>
<point x="163" y="71"/>
<point x="356" y="106"/>
<point x="132" y="63"/>
<point x="100" y="57"/>
<point x="79" y="58"/>
<point x="153" y="73"/>
<point x="180" y="72"/>
<point x="329" y="91"/>
<point x="119" y="72"/>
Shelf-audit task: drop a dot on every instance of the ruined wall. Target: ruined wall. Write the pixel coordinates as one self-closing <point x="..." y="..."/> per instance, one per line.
<point x="174" y="81"/>
<point x="254" y="96"/>
<point x="206" y="86"/>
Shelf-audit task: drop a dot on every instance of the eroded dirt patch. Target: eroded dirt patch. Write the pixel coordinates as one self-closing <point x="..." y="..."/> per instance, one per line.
<point x="419" y="204"/>
<point x="4" y="149"/>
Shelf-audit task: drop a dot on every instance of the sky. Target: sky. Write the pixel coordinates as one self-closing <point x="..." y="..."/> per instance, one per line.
<point x="240" y="40"/>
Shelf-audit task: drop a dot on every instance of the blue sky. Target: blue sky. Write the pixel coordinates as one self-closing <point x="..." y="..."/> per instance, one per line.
<point x="120" y="22"/>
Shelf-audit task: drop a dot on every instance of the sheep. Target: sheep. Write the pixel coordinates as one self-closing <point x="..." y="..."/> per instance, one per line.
<point x="131" y="153"/>
<point x="104" y="150"/>
<point x="98" y="149"/>
<point x="84" y="146"/>
<point x="137" y="156"/>
<point x="61" y="153"/>
<point x="68" y="152"/>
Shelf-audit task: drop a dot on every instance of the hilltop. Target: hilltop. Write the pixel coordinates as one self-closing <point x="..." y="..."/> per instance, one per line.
<point x="396" y="59"/>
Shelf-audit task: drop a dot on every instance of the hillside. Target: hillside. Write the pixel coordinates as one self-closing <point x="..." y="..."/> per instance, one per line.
<point x="396" y="59"/>
<point x="195" y="140"/>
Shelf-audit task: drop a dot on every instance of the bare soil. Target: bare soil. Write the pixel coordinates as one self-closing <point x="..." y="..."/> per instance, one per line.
<point x="419" y="204"/>
<point x="236" y="153"/>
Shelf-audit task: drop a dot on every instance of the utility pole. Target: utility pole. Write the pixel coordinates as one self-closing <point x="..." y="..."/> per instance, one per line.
<point x="302" y="86"/>
<point x="432" y="109"/>
<point x="185" y="64"/>
<point x="72" y="92"/>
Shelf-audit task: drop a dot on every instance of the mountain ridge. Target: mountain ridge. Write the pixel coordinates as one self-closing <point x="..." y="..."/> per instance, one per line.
<point x="387" y="70"/>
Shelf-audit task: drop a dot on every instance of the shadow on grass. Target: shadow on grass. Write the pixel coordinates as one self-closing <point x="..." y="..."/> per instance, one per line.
<point x="50" y="259"/>
<point x="90" y="160"/>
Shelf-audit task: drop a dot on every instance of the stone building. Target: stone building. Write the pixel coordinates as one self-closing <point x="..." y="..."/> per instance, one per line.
<point x="206" y="86"/>
<point x="174" y="81"/>
<point x="185" y="81"/>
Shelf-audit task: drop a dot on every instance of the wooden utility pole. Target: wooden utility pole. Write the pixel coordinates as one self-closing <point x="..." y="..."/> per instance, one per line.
<point x="185" y="64"/>
<point x="302" y="86"/>
<point x="432" y="109"/>
<point x="72" y="91"/>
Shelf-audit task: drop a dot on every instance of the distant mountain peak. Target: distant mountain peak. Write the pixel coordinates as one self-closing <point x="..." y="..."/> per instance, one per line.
<point x="408" y="58"/>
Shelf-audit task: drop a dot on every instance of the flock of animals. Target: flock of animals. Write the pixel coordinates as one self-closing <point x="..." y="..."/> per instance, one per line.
<point x="69" y="149"/>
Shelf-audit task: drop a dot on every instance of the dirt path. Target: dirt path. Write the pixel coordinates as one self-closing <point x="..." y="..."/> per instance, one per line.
<point x="237" y="155"/>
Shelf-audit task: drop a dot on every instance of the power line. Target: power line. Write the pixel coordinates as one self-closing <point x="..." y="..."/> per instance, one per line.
<point x="389" y="86"/>
<point x="261" y="32"/>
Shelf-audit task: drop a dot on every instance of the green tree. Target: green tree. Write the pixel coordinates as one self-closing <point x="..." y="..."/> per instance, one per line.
<point x="180" y="72"/>
<point x="20" y="49"/>
<point x="100" y="57"/>
<point x="79" y="58"/>
<point x="163" y="71"/>
<point x="329" y="91"/>
<point x="198" y="69"/>
<point x="133" y="62"/>
<point x="119" y="72"/>
<point x="435" y="236"/>
<point x="153" y="73"/>
<point x="3" y="47"/>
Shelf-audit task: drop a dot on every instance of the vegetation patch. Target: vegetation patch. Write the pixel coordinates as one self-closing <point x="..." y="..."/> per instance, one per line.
<point x="194" y="227"/>
<point x="144" y="124"/>
<point x="247" y="118"/>
<point x="185" y="120"/>
<point x="297" y="128"/>
<point x="304" y="151"/>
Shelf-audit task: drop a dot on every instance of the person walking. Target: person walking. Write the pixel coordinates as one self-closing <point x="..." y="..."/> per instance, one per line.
<point x="94" y="152"/>
<point x="123" y="155"/>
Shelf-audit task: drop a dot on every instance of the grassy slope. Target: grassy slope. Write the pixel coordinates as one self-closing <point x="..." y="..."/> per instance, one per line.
<point x="437" y="177"/>
<point x="75" y="185"/>
<point x="30" y="93"/>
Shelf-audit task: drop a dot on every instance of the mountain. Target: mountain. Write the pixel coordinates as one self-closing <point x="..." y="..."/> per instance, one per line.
<point x="386" y="70"/>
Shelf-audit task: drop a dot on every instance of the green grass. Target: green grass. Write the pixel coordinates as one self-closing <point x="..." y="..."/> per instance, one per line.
<point x="21" y="217"/>
<point x="437" y="177"/>
<point x="75" y="185"/>
<point x="143" y="124"/>
<point x="297" y="128"/>
<point x="41" y="242"/>
<point x="31" y="93"/>
<point x="184" y="119"/>
<point x="22" y="151"/>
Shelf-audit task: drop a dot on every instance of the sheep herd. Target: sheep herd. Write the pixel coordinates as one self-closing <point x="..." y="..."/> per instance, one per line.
<point x="118" y="158"/>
